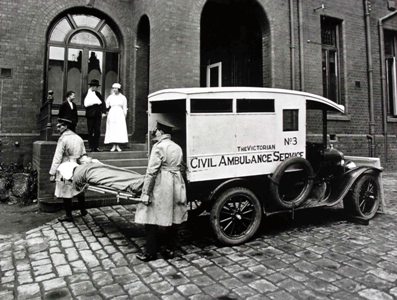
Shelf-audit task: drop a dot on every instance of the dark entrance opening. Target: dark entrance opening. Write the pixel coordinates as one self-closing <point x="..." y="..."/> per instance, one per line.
<point x="235" y="40"/>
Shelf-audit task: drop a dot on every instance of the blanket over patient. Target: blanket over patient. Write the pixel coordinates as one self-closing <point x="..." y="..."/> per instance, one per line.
<point x="98" y="174"/>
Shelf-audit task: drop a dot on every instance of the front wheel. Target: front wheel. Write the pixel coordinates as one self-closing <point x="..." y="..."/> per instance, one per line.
<point x="236" y="216"/>
<point x="365" y="197"/>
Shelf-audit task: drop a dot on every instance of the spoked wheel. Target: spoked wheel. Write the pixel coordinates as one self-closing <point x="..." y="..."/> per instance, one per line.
<point x="195" y="208"/>
<point x="236" y="216"/>
<point x="365" y="198"/>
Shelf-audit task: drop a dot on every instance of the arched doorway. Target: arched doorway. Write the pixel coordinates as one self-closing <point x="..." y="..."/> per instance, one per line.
<point x="82" y="46"/>
<point x="142" y="79"/>
<point x="235" y="44"/>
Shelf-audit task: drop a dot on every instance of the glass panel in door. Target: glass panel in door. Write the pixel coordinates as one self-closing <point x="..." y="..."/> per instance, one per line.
<point x="74" y="72"/>
<point x="95" y="63"/>
<point x="55" y="72"/>
<point x="111" y="71"/>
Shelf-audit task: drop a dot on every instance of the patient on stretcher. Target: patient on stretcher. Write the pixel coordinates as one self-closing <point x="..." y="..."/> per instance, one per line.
<point x="92" y="172"/>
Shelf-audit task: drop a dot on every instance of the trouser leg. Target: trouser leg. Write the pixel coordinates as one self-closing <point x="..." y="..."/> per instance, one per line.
<point x="97" y="131"/>
<point x="151" y="246"/>
<point x="67" y="203"/>
<point x="90" y="129"/>
<point x="81" y="201"/>
<point x="169" y="237"/>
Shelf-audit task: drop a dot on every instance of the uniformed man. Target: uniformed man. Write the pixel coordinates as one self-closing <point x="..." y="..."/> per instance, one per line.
<point x="68" y="110"/>
<point x="164" y="193"/>
<point x="70" y="147"/>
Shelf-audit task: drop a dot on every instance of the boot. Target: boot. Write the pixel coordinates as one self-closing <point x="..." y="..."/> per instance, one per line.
<point x="67" y="203"/>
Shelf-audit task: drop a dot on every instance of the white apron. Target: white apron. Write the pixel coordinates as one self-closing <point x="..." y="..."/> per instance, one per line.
<point x="116" y="127"/>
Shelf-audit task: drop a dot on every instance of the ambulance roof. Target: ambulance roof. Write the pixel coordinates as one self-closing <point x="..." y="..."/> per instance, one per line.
<point x="313" y="101"/>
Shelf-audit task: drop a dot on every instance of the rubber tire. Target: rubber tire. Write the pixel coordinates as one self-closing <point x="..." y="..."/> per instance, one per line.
<point x="218" y="207"/>
<point x="352" y="203"/>
<point x="277" y="177"/>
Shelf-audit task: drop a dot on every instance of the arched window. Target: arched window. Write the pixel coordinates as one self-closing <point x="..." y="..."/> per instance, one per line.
<point x="81" y="47"/>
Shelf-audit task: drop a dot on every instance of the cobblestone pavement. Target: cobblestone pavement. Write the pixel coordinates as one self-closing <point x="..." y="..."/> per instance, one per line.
<point x="319" y="255"/>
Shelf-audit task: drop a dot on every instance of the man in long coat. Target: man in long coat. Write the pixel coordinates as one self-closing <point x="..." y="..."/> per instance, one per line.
<point x="164" y="191"/>
<point x="69" y="148"/>
<point x="95" y="110"/>
<point x="68" y="110"/>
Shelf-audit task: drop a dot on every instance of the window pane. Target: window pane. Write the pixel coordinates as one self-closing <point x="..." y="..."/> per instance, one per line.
<point x="111" y="70"/>
<point x="328" y="31"/>
<point x="214" y="77"/>
<point x="324" y="70"/>
<point x="333" y="76"/>
<point x="290" y="120"/>
<point x="95" y="60"/>
<point x="86" y="38"/>
<point x="389" y="44"/>
<point x="55" y="72"/>
<point x="74" y="72"/>
<point x="391" y="85"/>
<point x="84" y="20"/>
<point x="211" y="105"/>
<point x="60" y="31"/>
<point x="255" y="105"/>
<point x="110" y="37"/>
<point x="169" y="106"/>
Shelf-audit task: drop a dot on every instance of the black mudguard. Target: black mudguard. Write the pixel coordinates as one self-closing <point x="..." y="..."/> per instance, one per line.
<point x="342" y="185"/>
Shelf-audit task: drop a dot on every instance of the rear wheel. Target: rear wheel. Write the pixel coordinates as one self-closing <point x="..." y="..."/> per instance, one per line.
<point x="292" y="182"/>
<point x="365" y="197"/>
<point x="236" y="216"/>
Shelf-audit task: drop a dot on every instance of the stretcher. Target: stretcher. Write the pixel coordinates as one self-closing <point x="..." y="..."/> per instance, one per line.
<point x="103" y="179"/>
<point x="119" y="194"/>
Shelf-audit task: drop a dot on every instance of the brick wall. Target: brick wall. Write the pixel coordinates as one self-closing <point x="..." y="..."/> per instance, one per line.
<point x="175" y="60"/>
<point x="24" y="25"/>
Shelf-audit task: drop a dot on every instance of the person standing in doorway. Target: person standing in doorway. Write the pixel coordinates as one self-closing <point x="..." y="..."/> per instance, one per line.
<point x="95" y="109"/>
<point x="163" y="195"/>
<point x="68" y="110"/>
<point x="116" y="127"/>
<point x="69" y="148"/>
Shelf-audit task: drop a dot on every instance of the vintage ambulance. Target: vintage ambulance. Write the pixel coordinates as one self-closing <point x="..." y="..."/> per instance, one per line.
<point x="247" y="155"/>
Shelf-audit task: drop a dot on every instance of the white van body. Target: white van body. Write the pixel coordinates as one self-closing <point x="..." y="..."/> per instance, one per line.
<point x="236" y="131"/>
<point x="248" y="155"/>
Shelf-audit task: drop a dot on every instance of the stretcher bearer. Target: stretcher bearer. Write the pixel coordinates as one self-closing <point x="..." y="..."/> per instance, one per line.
<point x="164" y="191"/>
<point x="69" y="148"/>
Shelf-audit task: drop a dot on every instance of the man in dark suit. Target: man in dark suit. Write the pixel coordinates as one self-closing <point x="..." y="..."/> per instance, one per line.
<point x="95" y="109"/>
<point x="68" y="110"/>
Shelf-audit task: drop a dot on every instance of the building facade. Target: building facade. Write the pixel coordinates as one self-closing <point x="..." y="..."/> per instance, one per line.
<point x="344" y="50"/>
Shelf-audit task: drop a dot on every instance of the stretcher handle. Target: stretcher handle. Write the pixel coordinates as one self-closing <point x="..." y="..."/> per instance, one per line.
<point x="119" y="195"/>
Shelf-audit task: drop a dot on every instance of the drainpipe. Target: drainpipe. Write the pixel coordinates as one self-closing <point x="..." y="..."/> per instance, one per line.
<point x="383" y="80"/>
<point x="292" y="42"/>
<point x="301" y="45"/>
<point x="371" y="136"/>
